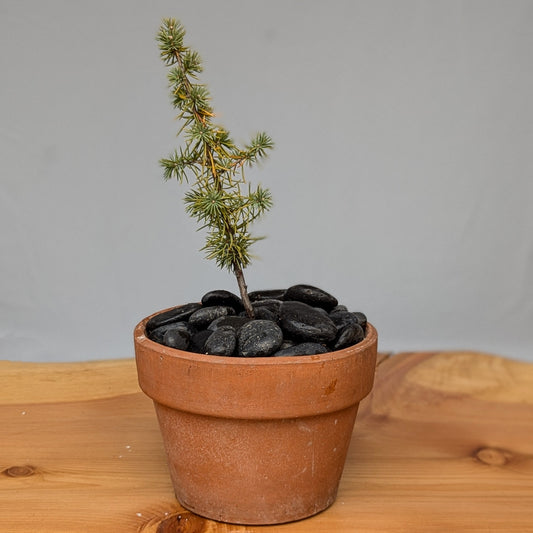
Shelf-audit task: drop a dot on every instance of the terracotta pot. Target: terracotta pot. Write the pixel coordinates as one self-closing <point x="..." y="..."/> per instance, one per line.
<point x="255" y="440"/>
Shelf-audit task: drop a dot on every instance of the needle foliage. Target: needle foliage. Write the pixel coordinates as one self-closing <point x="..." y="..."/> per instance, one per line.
<point x="219" y="198"/>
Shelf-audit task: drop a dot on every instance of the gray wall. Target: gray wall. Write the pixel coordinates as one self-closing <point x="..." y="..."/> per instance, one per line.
<point x="401" y="178"/>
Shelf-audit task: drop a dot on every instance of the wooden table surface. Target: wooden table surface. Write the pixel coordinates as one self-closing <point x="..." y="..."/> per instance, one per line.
<point x="443" y="443"/>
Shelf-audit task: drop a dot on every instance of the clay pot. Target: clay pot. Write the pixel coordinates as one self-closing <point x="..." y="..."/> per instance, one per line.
<point x="255" y="440"/>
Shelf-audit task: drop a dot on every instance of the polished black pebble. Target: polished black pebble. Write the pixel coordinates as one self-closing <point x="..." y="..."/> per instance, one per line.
<point x="178" y="338"/>
<point x="361" y="318"/>
<point x="267" y="309"/>
<point x="197" y="344"/>
<point x="176" y="314"/>
<point x="343" y="318"/>
<point x="305" y="348"/>
<point x="349" y="335"/>
<point x="270" y="303"/>
<point x="236" y="322"/>
<point x="264" y="313"/>
<point x="259" y="338"/>
<point x="222" y="297"/>
<point x="287" y="343"/>
<point x="322" y="311"/>
<point x="204" y="316"/>
<point x="338" y="308"/>
<point x="158" y="334"/>
<point x="272" y="294"/>
<point x="305" y="323"/>
<point x="312" y="296"/>
<point x="221" y="342"/>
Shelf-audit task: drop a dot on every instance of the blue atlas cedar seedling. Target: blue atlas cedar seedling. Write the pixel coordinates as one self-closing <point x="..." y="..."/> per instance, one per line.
<point x="220" y="199"/>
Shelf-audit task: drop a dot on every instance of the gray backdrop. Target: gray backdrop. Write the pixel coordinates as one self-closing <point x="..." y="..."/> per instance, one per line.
<point x="401" y="177"/>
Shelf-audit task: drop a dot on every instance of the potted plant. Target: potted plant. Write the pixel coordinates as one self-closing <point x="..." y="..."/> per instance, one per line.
<point x="257" y="394"/>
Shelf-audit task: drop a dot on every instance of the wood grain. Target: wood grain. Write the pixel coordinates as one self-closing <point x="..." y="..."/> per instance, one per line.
<point x="444" y="443"/>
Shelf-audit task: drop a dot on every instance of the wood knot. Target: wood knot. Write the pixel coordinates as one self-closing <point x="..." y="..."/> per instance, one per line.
<point x="183" y="522"/>
<point x="19" y="471"/>
<point x="493" y="456"/>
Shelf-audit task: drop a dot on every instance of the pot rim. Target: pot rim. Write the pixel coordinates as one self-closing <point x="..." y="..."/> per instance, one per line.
<point x="255" y="387"/>
<point x="141" y="338"/>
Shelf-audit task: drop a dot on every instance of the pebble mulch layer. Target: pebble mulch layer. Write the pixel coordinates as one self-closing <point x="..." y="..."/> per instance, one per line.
<point x="301" y="320"/>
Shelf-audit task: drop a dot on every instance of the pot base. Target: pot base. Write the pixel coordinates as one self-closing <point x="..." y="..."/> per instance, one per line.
<point x="256" y="472"/>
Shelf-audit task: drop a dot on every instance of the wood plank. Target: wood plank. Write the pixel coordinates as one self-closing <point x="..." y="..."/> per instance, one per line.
<point x="56" y="382"/>
<point x="443" y="443"/>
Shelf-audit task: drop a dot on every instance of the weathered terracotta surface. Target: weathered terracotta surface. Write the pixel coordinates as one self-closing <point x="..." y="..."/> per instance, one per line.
<point x="259" y="440"/>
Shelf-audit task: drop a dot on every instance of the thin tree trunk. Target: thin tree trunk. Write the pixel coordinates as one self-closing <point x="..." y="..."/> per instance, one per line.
<point x="243" y="290"/>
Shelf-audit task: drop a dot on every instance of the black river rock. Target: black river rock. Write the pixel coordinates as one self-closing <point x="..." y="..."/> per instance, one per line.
<point x="259" y="338"/>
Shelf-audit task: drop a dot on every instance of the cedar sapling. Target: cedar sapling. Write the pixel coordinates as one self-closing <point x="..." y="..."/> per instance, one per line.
<point x="220" y="199"/>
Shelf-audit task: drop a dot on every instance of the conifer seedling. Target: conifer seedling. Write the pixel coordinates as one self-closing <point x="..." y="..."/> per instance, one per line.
<point x="220" y="198"/>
